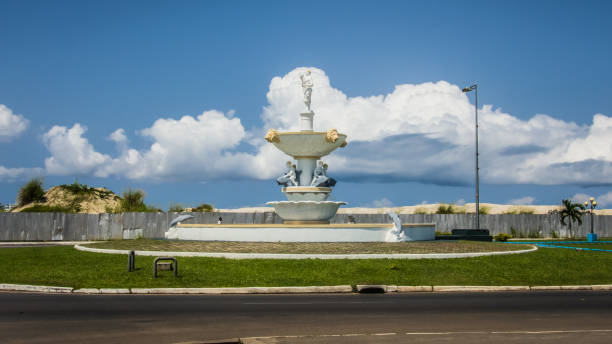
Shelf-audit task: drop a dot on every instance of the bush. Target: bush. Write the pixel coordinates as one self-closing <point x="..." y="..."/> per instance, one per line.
<point x="421" y="210"/>
<point x="502" y="237"/>
<point x="31" y="192"/>
<point x="175" y="208"/>
<point x="82" y="189"/>
<point x="445" y="209"/>
<point x="38" y="208"/>
<point x="133" y="201"/>
<point x="203" y="208"/>
<point x="449" y="209"/>
<point x="519" y="210"/>
<point x="484" y="210"/>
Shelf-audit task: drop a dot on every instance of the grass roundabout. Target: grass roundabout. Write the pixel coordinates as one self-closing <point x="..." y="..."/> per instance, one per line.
<point x="66" y="266"/>
<point x="415" y="247"/>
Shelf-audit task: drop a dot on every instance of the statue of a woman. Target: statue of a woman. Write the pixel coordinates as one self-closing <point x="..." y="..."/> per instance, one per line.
<point x="307" y="87"/>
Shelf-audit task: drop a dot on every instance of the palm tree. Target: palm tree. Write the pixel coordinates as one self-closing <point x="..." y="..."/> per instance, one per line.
<point x="573" y="211"/>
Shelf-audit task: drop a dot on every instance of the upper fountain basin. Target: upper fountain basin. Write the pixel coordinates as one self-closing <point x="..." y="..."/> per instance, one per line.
<point x="308" y="144"/>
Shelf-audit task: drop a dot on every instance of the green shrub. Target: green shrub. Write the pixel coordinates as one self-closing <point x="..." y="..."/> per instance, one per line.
<point x="203" y="208"/>
<point x="79" y="189"/>
<point x="175" y="208"/>
<point x="421" y="210"/>
<point x="513" y="232"/>
<point x="445" y="209"/>
<point x="32" y="191"/>
<point x="450" y="209"/>
<point x="484" y="210"/>
<point x="535" y="233"/>
<point x="38" y="208"/>
<point x="502" y="237"/>
<point x="132" y="200"/>
<point x="555" y="234"/>
<point x="519" y="210"/>
<point x="443" y="233"/>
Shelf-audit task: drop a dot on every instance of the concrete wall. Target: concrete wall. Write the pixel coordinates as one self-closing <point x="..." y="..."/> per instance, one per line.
<point x="68" y="227"/>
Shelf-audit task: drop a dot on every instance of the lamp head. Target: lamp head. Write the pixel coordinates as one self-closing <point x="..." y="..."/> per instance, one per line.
<point x="586" y="203"/>
<point x="592" y="199"/>
<point x="594" y="204"/>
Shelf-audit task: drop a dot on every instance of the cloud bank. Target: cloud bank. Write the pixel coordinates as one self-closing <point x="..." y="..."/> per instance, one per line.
<point x="418" y="132"/>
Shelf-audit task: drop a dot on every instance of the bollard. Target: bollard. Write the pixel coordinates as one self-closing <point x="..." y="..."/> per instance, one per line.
<point x="131" y="261"/>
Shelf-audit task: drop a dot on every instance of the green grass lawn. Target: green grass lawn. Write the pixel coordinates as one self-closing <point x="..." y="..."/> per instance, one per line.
<point x="65" y="266"/>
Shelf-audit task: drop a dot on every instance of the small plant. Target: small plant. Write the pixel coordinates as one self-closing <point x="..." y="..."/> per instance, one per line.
<point x="442" y="233"/>
<point x="555" y="234"/>
<point x="519" y="210"/>
<point x="175" y="208"/>
<point x="445" y="209"/>
<point x="133" y="201"/>
<point x="203" y="208"/>
<point x="484" y="210"/>
<point x="502" y="237"/>
<point x="421" y="210"/>
<point x="30" y="192"/>
<point x="82" y="189"/>
<point x="513" y="232"/>
<point x="39" y="208"/>
<point x="536" y="233"/>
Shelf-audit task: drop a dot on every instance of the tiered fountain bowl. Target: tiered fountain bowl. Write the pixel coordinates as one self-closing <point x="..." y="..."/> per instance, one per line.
<point x="306" y="204"/>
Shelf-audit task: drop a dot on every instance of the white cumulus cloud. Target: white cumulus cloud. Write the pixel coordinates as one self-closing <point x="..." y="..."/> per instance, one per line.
<point x="522" y="201"/>
<point x="71" y="153"/>
<point x="11" y="125"/>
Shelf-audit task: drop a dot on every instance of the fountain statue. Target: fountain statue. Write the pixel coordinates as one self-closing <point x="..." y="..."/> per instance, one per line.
<point x="307" y="200"/>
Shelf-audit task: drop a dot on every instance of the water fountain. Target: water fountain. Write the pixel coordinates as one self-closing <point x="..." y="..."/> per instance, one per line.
<point x="306" y="185"/>
<point x="307" y="211"/>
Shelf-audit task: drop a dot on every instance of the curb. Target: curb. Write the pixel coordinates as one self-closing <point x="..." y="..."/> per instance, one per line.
<point x="35" y="288"/>
<point x="230" y="255"/>
<point x="343" y="289"/>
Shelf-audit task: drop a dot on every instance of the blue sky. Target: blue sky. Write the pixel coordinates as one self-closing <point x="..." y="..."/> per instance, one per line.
<point x="74" y="72"/>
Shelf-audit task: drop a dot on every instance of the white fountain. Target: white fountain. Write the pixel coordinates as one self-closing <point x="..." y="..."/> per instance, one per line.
<point x="307" y="195"/>
<point x="307" y="212"/>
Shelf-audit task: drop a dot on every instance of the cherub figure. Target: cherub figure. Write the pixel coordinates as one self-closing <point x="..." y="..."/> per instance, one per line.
<point x="320" y="178"/>
<point x="288" y="179"/>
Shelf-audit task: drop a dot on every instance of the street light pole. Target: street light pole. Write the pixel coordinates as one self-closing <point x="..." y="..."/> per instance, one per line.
<point x="465" y="90"/>
<point x="590" y="205"/>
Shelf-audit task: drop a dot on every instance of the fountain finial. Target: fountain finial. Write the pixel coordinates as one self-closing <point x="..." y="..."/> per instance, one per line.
<point x="307" y="88"/>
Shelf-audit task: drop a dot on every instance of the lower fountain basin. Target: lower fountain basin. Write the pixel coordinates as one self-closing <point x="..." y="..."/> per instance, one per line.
<point x="306" y="193"/>
<point x="305" y="212"/>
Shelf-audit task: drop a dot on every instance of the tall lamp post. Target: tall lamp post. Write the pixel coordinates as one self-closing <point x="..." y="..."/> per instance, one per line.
<point x="590" y="205"/>
<point x="465" y="90"/>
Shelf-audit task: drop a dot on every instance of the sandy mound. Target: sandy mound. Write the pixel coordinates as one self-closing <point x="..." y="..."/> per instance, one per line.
<point x="85" y="200"/>
<point x="489" y="208"/>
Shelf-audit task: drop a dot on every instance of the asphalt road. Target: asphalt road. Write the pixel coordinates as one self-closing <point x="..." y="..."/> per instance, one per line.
<point x="511" y="317"/>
